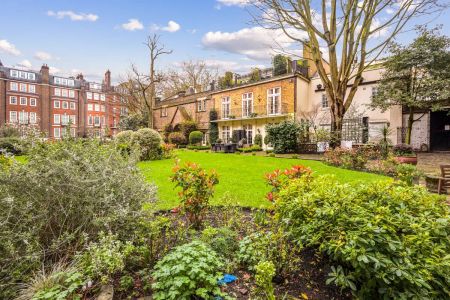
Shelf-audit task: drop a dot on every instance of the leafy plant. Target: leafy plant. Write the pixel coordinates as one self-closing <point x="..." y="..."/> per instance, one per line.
<point x="407" y="173"/>
<point x="213" y="127"/>
<point x="195" y="137"/>
<point x="283" y="136"/>
<point x="279" y="179"/>
<point x="177" y="138"/>
<point x="265" y="271"/>
<point x="197" y="186"/>
<point x="189" y="270"/>
<point x="258" y="140"/>
<point x="403" y="150"/>
<point x="347" y="158"/>
<point x="148" y="141"/>
<point x="222" y="240"/>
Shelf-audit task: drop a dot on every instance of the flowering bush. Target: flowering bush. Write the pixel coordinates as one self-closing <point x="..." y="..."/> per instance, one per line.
<point x="347" y="158"/>
<point x="177" y="138"/>
<point x="279" y="179"/>
<point x="167" y="150"/>
<point x="403" y="150"/>
<point x="197" y="186"/>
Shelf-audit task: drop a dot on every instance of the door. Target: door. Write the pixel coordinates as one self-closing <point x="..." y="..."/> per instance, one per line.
<point x="440" y="131"/>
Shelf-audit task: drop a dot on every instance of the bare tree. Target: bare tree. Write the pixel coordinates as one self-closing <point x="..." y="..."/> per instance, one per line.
<point x="354" y="33"/>
<point x="139" y="89"/>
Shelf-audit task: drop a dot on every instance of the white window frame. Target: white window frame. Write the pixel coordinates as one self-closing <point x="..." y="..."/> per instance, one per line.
<point x="71" y="94"/>
<point x="13" y="116"/>
<point x="57" y="132"/>
<point x="90" y="107"/>
<point x="56" y="119"/>
<point x="97" y="107"/>
<point x="163" y="112"/>
<point x="23" y="117"/>
<point x="274" y="101"/>
<point x="65" y="119"/>
<point x="25" y="102"/>
<point x="96" y="96"/>
<point x="32" y="88"/>
<point x="89" y="95"/>
<point x="33" y="118"/>
<point x="23" y="87"/>
<point x="226" y="107"/>
<point x="324" y="101"/>
<point x="13" y="86"/>
<point x="102" y="97"/>
<point x="90" y="120"/>
<point x="56" y="102"/>
<point x="64" y="93"/>
<point x="72" y="106"/>
<point x="73" y="119"/>
<point x="247" y="104"/>
<point x="65" y="105"/>
<point x="11" y="100"/>
<point x="226" y="134"/>
<point x="95" y="121"/>
<point x="57" y="92"/>
<point x="33" y="102"/>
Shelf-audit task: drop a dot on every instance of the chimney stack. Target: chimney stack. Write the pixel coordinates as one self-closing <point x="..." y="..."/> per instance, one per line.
<point x="45" y="73"/>
<point x="107" y="80"/>
<point x="80" y="77"/>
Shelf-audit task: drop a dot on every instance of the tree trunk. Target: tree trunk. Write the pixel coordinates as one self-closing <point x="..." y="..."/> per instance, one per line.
<point x="337" y="119"/>
<point x="409" y="128"/>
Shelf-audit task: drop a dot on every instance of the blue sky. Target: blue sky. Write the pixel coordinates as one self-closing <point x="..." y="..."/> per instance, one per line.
<point x="92" y="36"/>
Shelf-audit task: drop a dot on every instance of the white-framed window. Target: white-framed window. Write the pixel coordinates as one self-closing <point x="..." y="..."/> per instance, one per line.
<point x="73" y="119"/>
<point x="225" y="107"/>
<point x="14" y="73"/>
<point x="96" y="96"/>
<point x="226" y="134"/>
<point x="374" y="91"/>
<point x="13" y="86"/>
<point x="90" y="107"/>
<point x="95" y="86"/>
<point x="33" y="118"/>
<point x="64" y="81"/>
<point x="57" y="132"/>
<point x="324" y="101"/>
<point x="64" y="119"/>
<point x="13" y="116"/>
<point x="56" y="104"/>
<point x="103" y="108"/>
<point x="247" y="104"/>
<point x="163" y="112"/>
<point x="23" y="87"/>
<point x="32" y="101"/>
<point x="89" y="95"/>
<point x="102" y="97"/>
<point x="72" y="106"/>
<point x="71" y="82"/>
<point x="90" y="120"/>
<point x="71" y="94"/>
<point x="97" y="107"/>
<point x="64" y="93"/>
<point x="22" y="75"/>
<point x="201" y="105"/>
<point x="32" y="88"/>
<point x="56" y="119"/>
<point x="273" y="101"/>
<point x="23" y="117"/>
<point x="23" y="101"/>
<point x="31" y="76"/>
<point x="65" y="105"/>
<point x="96" y="120"/>
<point x="13" y="100"/>
<point x="58" y="92"/>
<point x="248" y="133"/>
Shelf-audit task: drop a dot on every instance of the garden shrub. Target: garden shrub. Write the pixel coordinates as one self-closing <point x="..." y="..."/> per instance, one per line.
<point x="186" y="127"/>
<point x="347" y="158"/>
<point x="408" y="173"/>
<point x="123" y="141"/>
<point x="213" y="127"/>
<point x="189" y="270"/>
<point x="168" y="128"/>
<point x="280" y="179"/>
<point x="192" y="147"/>
<point x="197" y="186"/>
<point x="283" y="136"/>
<point x="265" y="271"/>
<point x="11" y="145"/>
<point x="167" y="150"/>
<point x="195" y="137"/>
<point x="222" y="240"/>
<point x="60" y="198"/>
<point x="148" y="142"/>
<point x="177" y="138"/>
<point x="391" y="241"/>
<point x="258" y="140"/>
<point x="9" y="131"/>
<point x="403" y="150"/>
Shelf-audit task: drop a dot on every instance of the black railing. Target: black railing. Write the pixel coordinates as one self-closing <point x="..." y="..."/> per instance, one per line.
<point x="254" y="111"/>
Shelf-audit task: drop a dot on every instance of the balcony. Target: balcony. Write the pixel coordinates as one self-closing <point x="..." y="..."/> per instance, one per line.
<point x="254" y="112"/>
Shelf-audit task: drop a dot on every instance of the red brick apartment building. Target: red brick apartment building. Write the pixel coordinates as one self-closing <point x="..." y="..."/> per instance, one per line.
<point x="59" y="105"/>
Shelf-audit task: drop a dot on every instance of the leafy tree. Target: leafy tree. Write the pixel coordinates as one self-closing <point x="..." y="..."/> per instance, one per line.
<point x="255" y="75"/>
<point x="279" y="63"/>
<point x="417" y="76"/>
<point x="132" y="122"/>
<point x="226" y="81"/>
<point x="213" y="127"/>
<point x="283" y="136"/>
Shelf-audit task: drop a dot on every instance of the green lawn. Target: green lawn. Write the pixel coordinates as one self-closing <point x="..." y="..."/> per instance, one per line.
<point x="241" y="177"/>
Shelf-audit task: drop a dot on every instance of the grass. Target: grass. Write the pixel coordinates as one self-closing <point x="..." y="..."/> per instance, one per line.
<point x="241" y="177"/>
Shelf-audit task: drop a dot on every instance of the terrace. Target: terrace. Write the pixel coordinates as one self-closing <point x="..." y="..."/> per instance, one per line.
<point x="254" y="112"/>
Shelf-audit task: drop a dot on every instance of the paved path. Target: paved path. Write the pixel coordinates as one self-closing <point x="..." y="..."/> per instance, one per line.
<point x="429" y="162"/>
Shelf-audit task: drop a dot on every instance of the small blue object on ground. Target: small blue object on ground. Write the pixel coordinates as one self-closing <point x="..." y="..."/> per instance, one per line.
<point x="227" y="278"/>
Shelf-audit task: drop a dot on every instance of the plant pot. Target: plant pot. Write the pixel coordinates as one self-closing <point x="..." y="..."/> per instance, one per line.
<point x="322" y="147"/>
<point x="412" y="160"/>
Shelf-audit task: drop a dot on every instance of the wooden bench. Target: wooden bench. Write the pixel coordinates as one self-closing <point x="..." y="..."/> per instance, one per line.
<point x="444" y="180"/>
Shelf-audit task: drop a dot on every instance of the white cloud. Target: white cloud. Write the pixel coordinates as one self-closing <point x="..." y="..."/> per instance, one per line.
<point x="73" y="15"/>
<point x="132" y="25"/>
<point x="54" y="70"/>
<point x="41" y="55"/>
<point x="172" y="26"/>
<point x="25" y="63"/>
<point x="231" y="65"/>
<point x="8" y="48"/>
<point x="255" y="43"/>
<point x="240" y="3"/>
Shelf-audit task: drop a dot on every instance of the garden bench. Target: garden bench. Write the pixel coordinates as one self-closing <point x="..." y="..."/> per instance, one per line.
<point x="444" y="180"/>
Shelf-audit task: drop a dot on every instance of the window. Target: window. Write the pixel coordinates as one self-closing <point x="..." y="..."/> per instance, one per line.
<point x="65" y="105"/>
<point x="64" y="119"/>
<point x="57" y="132"/>
<point x="90" y="107"/>
<point x="56" y="119"/>
<point x="23" y="101"/>
<point x="22" y="74"/>
<point x="64" y="81"/>
<point x="248" y="133"/>
<point x="96" y="120"/>
<point x="31" y="76"/>
<point x="95" y="86"/>
<point x="324" y="101"/>
<point x="13" y="116"/>
<point x="97" y="107"/>
<point x="89" y="95"/>
<point x="33" y="118"/>
<point x="96" y="96"/>
<point x="13" y="86"/>
<point x="225" y="107"/>
<point x="103" y="108"/>
<point x="56" y="104"/>
<point x="23" y="87"/>
<point x="13" y="100"/>
<point x="58" y="92"/>
<point x="102" y="97"/>
<point x="73" y="119"/>
<point x="374" y="91"/>
<point x="226" y="134"/>
<point x="32" y="101"/>
<point x="71" y="93"/>
<point x="71" y="82"/>
<point x="201" y="105"/>
<point x="14" y="73"/>
<point x="90" y="120"/>
<point x="164" y="112"/>
<point x="23" y="117"/>
<point x="64" y="93"/>
<point x="247" y="104"/>
<point x="32" y="88"/>
<point x="273" y="101"/>
<point x="72" y="105"/>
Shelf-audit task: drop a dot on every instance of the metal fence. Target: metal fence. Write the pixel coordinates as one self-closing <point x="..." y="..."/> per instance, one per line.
<point x="356" y="130"/>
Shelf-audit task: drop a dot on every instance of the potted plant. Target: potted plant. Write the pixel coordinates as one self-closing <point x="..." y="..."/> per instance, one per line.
<point x="322" y="140"/>
<point x="405" y="154"/>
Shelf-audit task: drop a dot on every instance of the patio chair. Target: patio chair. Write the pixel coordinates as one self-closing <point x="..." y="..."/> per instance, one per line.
<point x="444" y="180"/>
